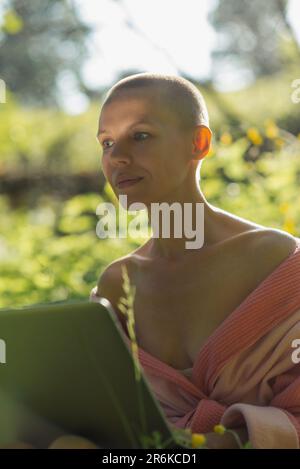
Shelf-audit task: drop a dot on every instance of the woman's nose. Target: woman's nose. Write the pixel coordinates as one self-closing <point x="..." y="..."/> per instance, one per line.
<point x="120" y="154"/>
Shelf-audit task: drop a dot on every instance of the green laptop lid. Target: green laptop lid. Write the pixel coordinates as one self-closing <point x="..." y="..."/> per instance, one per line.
<point x="66" y="368"/>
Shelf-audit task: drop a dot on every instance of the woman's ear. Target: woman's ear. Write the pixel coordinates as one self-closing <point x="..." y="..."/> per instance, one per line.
<point x="201" y="141"/>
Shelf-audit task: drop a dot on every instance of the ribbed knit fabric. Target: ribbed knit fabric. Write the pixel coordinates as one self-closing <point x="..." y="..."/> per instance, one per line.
<point x="243" y="374"/>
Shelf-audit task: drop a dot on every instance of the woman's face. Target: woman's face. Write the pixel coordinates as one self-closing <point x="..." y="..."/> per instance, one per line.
<point x="141" y="138"/>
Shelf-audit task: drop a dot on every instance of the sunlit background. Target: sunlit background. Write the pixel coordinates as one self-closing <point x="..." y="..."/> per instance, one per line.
<point x="57" y="60"/>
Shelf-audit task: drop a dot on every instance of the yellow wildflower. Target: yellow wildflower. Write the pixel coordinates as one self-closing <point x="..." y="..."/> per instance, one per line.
<point x="198" y="439"/>
<point x="289" y="226"/>
<point x="254" y="136"/>
<point x="12" y="22"/>
<point x="220" y="429"/>
<point x="271" y="129"/>
<point x="226" y="138"/>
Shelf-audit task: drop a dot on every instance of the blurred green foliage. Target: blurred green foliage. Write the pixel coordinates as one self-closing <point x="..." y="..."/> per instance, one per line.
<point x="256" y="36"/>
<point x="42" y="45"/>
<point x="51" y="252"/>
<point x="33" y="140"/>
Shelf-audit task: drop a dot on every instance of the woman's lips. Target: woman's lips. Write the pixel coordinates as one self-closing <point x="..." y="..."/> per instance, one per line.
<point x="128" y="182"/>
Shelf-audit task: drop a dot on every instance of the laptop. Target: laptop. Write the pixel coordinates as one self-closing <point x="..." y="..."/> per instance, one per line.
<point x="66" y="368"/>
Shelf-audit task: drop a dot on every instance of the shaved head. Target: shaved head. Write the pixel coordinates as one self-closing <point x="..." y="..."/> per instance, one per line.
<point x="180" y="96"/>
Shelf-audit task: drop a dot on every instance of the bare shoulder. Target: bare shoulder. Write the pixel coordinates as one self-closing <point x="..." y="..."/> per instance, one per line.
<point x="279" y="242"/>
<point x="110" y="281"/>
<point x="271" y="247"/>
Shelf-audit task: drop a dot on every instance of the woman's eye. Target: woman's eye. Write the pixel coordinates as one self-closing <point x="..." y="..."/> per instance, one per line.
<point x="103" y="143"/>
<point x="141" y="133"/>
<point x="136" y="133"/>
